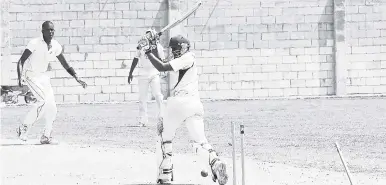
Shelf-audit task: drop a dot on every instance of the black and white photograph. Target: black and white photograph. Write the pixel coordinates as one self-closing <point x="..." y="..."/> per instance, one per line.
<point x="193" y="92"/>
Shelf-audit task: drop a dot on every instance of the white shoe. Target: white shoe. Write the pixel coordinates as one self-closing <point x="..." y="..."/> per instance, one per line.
<point x="165" y="176"/>
<point x="22" y="132"/>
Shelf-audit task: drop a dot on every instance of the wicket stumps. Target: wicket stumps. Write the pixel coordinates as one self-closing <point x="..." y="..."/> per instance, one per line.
<point x="234" y="153"/>
<point x="344" y="162"/>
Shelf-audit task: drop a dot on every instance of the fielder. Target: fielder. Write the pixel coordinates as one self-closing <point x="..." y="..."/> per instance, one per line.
<point x="148" y="76"/>
<point x="184" y="106"/>
<point x="31" y="69"/>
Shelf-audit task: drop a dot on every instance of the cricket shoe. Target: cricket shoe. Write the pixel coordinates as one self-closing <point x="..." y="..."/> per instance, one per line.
<point x="219" y="172"/>
<point x="22" y="132"/>
<point x="45" y="140"/>
<point x="165" y="176"/>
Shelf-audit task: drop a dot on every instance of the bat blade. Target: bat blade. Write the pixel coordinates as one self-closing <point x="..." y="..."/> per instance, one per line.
<point x="178" y="21"/>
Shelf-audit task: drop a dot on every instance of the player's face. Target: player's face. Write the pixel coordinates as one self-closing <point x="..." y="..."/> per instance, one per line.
<point x="48" y="31"/>
<point x="176" y="50"/>
<point x="179" y="50"/>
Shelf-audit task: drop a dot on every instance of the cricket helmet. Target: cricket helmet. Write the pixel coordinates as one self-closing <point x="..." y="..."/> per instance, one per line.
<point x="179" y="45"/>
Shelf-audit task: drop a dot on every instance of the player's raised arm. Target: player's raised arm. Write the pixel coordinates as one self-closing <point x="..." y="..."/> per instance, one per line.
<point x="70" y="70"/>
<point x="157" y="63"/>
<point x="179" y="46"/>
<point x="20" y="63"/>
<point x="149" y="44"/>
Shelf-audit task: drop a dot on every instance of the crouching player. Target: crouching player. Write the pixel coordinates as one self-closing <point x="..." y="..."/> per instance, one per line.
<point x="184" y="106"/>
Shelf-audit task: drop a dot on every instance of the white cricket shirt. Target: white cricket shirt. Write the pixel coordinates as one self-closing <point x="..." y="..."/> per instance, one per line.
<point x="147" y="70"/>
<point x="38" y="61"/>
<point x="188" y="85"/>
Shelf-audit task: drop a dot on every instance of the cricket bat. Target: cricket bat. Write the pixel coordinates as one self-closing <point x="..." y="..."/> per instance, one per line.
<point x="178" y="21"/>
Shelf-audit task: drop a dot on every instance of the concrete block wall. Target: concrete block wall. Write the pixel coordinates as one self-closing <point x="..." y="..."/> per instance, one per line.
<point x="366" y="37"/>
<point x="264" y="48"/>
<point x="248" y="49"/>
<point x="99" y="41"/>
<point x="5" y="40"/>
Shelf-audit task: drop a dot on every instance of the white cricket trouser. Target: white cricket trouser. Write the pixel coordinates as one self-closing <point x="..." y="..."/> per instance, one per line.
<point x="143" y="85"/>
<point x="188" y="110"/>
<point x="45" y="108"/>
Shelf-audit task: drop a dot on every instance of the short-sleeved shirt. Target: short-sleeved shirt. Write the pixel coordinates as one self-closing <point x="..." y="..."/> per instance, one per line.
<point x="38" y="61"/>
<point x="147" y="70"/>
<point x="188" y="86"/>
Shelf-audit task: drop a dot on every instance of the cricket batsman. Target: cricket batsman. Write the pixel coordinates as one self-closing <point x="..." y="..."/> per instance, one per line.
<point x="183" y="107"/>
<point x="148" y="75"/>
<point x="31" y="69"/>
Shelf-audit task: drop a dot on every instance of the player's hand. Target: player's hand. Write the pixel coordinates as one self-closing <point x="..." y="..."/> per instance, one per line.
<point x="146" y="48"/>
<point x="84" y="85"/>
<point x="130" y="78"/>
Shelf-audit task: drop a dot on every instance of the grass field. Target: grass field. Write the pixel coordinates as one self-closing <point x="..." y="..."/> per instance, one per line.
<point x="287" y="142"/>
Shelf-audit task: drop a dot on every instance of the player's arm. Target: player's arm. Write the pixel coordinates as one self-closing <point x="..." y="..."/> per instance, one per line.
<point x="159" y="64"/>
<point x="133" y="65"/>
<point x="69" y="69"/>
<point x="21" y="62"/>
<point x="66" y="66"/>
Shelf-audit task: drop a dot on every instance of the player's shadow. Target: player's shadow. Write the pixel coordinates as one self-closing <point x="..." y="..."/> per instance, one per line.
<point x="19" y="144"/>
<point x="129" y="126"/>
<point x="16" y="142"/>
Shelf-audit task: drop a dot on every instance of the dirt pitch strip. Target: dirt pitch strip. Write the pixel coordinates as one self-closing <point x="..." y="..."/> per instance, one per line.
<point x="287" y="142"/>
